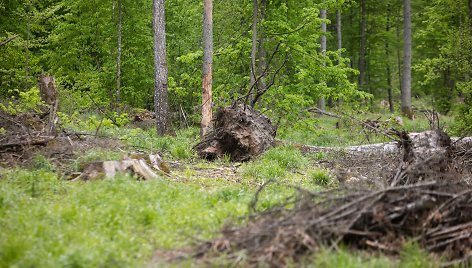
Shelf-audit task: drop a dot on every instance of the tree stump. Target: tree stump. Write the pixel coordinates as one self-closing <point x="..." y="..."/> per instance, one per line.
<point x="426" y="155"/>
<point x="240" y="132"/>
<point x="48" y="92"/>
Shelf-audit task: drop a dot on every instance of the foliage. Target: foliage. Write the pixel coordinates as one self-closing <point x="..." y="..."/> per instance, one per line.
<point x="27" y="101"/>
<point x="48" y="222"/>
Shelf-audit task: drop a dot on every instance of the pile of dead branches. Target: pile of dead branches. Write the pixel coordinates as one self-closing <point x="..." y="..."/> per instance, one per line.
<point x="427" y="201"/>
<point x="438" y="215"/>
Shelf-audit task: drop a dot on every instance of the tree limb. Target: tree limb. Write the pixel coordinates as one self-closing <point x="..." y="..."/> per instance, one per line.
<point x="9" y="40"/>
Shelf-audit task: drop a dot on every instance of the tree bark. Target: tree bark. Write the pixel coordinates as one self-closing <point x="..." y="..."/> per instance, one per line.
<point x="321" y="100"/>
<point x="387" y="56"/>
<point x="407" y="54"/>
<point x="399" y="61"/>
<point x="262" y="54"/>
<point x="252" y="87"/>
<point x="160" y="65"/>
<point x="339" y="32"/>
<point x="207" y="66"/>
<point x="362" y="48"/>
<point x="28" y="31"/>
<point x="118" y="59"/>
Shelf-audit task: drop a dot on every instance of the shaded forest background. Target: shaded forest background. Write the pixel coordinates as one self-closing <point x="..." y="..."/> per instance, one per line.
<point x="78" y="43"/>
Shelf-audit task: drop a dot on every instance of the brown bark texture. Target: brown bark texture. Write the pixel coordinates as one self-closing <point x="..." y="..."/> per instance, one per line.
<point x="207" y="67"/>
<point x="118" y="59"/>
<point x="160" y="66"/>
<point x="240" y="132"/>
<point x="362" y="47"/>
<point x="48" y="93"/>
<point x="407" y="55"/>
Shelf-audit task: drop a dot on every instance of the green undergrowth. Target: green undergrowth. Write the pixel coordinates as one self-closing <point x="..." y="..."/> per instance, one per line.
<point x="48" y="222"/>
<point x="329" y="131"/>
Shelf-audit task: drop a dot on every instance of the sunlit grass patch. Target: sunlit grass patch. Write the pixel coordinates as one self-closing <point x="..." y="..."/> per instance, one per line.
<point x="47" y="222"/>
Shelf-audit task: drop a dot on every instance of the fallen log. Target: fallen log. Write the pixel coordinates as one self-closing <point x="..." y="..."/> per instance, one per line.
<point x="139" y="167"/>
<point x="240" y="132"/>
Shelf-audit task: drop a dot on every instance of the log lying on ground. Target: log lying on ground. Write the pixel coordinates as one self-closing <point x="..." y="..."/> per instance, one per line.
<point x="240" y="132"/>
<point x="140" y="167"/>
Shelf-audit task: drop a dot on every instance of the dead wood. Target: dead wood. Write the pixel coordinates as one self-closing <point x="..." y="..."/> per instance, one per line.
<point x="427" y="201"/>
<point x="240" y="132"/>
<point x="141" y="167"/>
<point x="48" y="92"/>
<point x="8" y="40"/>
<point x="379" y="219"/>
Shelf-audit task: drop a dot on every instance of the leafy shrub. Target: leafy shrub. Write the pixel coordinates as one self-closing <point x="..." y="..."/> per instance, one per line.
<point x="28" y="101"/>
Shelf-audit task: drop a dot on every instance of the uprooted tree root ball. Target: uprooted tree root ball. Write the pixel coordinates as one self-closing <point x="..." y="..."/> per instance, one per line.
<point x="425" y="202"/>
<point x="240" y="132"/>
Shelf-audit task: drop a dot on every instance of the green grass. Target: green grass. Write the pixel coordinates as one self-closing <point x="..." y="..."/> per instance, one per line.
<point x="46" y="221"/>
<point x="323" y="130"/>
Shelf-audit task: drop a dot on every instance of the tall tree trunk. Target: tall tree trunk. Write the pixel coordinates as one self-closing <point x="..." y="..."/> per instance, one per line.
<point x="28" y="31"/>
<point x="387" y="58"/>
<point x="207" y="66"/>
<point x="262" y="54"/>
<point x="339" y="32"/>
<point x="362" y="48"/>
<point x="339" y="39"/>
<point x="252" y="86"/>
<point x="160" y="65"/>
<point x="321" y="100"/>
<point x="399" y="60"/>
<point x="407" y="51"/>
<point x="118" y="59"/>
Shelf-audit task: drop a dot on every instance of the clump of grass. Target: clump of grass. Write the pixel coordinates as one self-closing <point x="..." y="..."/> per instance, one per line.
<point x="274" y="164"/>
<point x="320" y="177"/>
<point x="41" y="162"/>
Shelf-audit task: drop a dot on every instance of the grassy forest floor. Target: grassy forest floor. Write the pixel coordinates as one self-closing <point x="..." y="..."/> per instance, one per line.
<point x="46" y="220"/>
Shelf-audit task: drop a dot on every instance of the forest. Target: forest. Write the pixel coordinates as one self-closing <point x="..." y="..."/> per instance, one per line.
<point x="275" y="133"/>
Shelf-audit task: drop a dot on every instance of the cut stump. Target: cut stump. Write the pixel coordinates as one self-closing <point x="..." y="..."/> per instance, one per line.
<point x="425" y="154"/>
<point x="240" y="132"/>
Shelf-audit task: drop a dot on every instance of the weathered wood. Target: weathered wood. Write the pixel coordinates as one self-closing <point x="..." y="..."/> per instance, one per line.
<point x="240" y="132"/>
<point x="48" y="92"/>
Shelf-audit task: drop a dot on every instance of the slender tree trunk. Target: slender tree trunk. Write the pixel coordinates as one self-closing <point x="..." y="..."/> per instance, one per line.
<point x="407" y="54"/>
<point x="321" y="100"/>
<point x="362" y="48"/>
<point x="399" y="61"/>
<point x="207" y="66"/>
<point x="118" y="59"/>
<point x="389" y="73"/>
<point x="252" y="86"/>
<point x="160" y="65"/>
<point x="339" y="33"/>
<point x="339" y="39"/>
<point x="262" y="54"/>
<point x="28" y="31"/>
